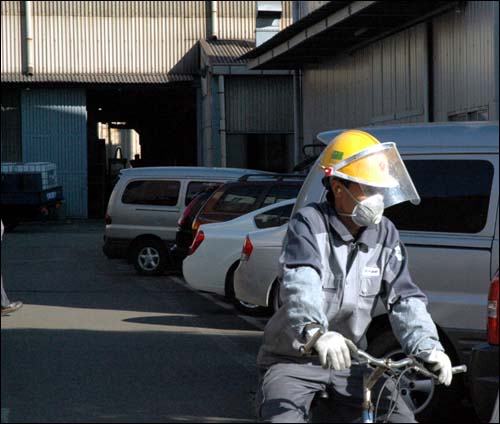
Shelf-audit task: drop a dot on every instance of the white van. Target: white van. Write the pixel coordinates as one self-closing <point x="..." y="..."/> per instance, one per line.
<point x="452" y="236"/>
<point x="145" y="206"/>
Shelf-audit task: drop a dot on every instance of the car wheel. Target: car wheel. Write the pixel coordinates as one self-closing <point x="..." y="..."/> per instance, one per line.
<point x="150" y="257"/>
<point x="250" y="308"/>
<point x="421" y="394"/>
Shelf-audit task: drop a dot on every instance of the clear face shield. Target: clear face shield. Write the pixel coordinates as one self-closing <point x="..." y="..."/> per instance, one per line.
<point x="380" y="171"/>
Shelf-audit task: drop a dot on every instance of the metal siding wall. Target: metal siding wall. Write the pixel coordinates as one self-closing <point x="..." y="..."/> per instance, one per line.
<point x="464" y="73"/>
<point x="380" y="84"/>
<point x="11" y="125"/>
<point x="117" y="37"/>
<point x="259" y="104"/>
<point x="54" y="129"/>
<point x="237" y="19"/>
<point x="11" y="53"/>
<point x="108" y="37"/>
<point x="307" y="7"/>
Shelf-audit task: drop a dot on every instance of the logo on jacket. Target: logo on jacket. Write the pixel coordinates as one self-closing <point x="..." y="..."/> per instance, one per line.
<point x="371" y="271"/>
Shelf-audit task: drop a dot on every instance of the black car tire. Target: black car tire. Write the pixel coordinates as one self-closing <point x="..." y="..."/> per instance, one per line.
<point x="150" y="257"/>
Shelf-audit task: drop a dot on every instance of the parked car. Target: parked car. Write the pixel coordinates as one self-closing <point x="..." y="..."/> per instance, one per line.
<point x="216" y="250"/>
<point x="249" y="193"/>
<point x="451" y="237"/>
<point x="145" y="206"/>
<point x="184" y="235"/>
<point x="483" y="372"/>
<point x="256" y="277"/>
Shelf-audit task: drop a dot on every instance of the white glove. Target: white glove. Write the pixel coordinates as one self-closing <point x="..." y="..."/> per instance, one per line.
<point x="333" y="351"/>
<point x="442" y="364"/>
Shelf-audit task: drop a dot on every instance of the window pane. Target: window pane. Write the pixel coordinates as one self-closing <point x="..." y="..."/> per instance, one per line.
<point x="281" y="192"/>
<point x="239" y="199"/>
<point x="274" y="218"/>
<point x="455" y="196"/>
<point x="197" y="187"/>
<point x="161" y="193"/>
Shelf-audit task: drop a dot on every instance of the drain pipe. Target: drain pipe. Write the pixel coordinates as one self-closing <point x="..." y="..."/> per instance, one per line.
<point x="297" y="115"/>
<point x="214" y="20"/>
<point x="222" y="122"/>
<point x="28" y="7"/>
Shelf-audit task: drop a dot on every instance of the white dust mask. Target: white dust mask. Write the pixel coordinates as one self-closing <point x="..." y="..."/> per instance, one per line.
<point x="367" y="212"/>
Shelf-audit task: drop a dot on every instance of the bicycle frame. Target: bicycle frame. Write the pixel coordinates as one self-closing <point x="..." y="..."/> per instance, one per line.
<point x="383" y="365"/>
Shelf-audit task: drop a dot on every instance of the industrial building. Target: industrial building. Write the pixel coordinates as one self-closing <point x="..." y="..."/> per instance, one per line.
<point x="359" y="63"/>
<point x="89" y="85"/>
<point x="97" y="85"/>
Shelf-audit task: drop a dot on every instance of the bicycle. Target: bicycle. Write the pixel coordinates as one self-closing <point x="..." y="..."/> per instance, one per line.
<point x="395" y="370"/>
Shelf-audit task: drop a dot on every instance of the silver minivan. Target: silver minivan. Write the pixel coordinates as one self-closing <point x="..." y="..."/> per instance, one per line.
<point x="145" y="206"/>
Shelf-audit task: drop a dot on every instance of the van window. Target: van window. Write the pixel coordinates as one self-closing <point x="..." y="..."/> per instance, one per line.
<point x="238" y="199"/>
<point x="152" y="192"/>
<point x="281" y="192"/>
<point x="274" y="218"/>
<point x="196" y="187"/>
<point x="455" y="196"/>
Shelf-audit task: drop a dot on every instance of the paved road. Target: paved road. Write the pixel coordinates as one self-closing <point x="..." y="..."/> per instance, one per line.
<point x="97" y="343"/>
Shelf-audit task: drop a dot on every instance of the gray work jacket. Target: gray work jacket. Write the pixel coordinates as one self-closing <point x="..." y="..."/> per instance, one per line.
<point x="334" y="280"/>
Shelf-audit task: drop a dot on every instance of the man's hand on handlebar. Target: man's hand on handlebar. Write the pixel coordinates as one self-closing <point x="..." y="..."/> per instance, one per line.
<point x="440" y="363"/>
<point x="333" y="351"/>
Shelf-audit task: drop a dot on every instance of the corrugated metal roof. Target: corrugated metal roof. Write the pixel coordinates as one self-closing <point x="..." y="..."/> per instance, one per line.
<point x="226" y="52"/>
<point x="97" y="78"/>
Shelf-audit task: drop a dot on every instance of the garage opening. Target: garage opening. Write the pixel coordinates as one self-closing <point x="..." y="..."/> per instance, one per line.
<point x="134" y="127"/>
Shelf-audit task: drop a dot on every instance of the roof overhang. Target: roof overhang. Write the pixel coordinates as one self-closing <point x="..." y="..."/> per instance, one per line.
<point x="125" y="79"/>
<point x="341" y="27"/>
<point x="223" y="57"/>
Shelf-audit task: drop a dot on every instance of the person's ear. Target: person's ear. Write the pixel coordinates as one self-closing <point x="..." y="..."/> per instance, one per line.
<point x="336" y="188"/>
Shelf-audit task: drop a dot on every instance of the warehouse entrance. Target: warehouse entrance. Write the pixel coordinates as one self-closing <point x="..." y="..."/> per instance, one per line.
<point x="132" y="127"/>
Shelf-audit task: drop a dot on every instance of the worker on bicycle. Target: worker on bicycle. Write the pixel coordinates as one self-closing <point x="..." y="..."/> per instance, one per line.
<point x="340" y="258"/>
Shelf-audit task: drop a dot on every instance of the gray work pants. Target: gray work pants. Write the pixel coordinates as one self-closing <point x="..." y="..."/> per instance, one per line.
<point x="286" y="391"/>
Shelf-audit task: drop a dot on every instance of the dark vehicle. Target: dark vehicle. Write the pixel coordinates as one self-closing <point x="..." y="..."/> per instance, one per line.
<point x="249" y="193"/>
<point x="484" y="362"/>
<point x="184" y="235"/>
<point x="28" y="192"/>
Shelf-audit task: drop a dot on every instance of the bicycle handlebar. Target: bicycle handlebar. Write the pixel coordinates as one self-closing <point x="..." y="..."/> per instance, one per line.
<point x="387" y="363"/>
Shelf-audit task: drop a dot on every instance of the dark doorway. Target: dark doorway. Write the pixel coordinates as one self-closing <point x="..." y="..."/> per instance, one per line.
<point x="266" y="152"/>
<point x="137" y="126"/>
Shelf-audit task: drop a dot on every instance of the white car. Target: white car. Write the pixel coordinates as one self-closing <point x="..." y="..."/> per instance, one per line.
<point x="256" y="278"/>
<point x="216" y="249"/>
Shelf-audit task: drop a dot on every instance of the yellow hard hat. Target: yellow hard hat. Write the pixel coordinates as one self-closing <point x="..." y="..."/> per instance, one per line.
<point x="345" y="158"/>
